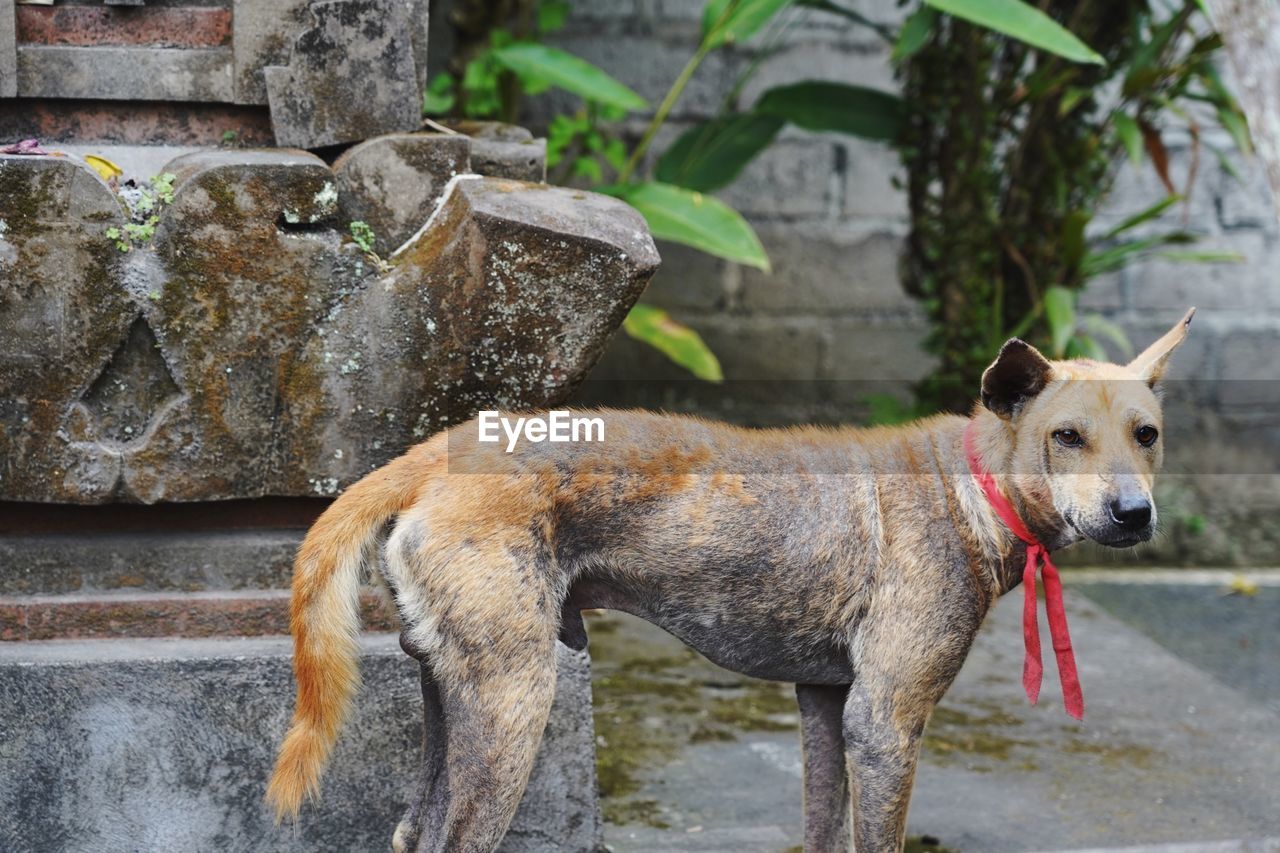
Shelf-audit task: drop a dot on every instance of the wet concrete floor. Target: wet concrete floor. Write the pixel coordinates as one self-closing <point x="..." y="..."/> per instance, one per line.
<point x="1180" y="741"/>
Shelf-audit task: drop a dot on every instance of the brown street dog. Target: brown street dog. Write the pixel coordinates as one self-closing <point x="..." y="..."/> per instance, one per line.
<point x="857" y="563"/>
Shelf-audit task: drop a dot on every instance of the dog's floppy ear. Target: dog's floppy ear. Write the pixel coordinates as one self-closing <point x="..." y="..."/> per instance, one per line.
<point x="1150" y="364"/>
<point x="1019" y="373"/>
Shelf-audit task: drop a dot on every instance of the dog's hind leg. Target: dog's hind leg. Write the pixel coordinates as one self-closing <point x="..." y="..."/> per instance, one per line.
<point x="481" y="736"/>
<point x="826" y="784"/>
<point x="426" y="808"/>
<point x="494" y="723"/>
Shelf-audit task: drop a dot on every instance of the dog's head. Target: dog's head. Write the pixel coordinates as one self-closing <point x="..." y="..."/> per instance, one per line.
<point x="1086" y="437"/>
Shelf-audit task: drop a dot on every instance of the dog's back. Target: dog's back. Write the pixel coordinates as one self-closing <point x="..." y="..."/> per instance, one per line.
<point x="760" y="548"/>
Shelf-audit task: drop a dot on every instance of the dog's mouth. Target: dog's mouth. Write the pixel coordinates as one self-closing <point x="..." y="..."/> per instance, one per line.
<point x="1121" y="538"/>
<point x="1127" y="540"/>
<point x="1110" y="536"/>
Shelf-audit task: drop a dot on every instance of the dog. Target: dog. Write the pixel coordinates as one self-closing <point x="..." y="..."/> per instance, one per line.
<point x="856" y="563"/>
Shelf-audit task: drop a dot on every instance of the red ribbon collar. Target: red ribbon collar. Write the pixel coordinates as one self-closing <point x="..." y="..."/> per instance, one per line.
<point x="1033" y="666"/>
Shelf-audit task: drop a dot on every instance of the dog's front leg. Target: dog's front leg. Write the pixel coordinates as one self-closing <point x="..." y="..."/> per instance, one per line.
<point x="826" y="783"/>
<point x="882" y="734"/>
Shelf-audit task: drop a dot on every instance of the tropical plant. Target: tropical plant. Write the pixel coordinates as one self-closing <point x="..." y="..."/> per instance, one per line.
<point x="1011" y="122"/>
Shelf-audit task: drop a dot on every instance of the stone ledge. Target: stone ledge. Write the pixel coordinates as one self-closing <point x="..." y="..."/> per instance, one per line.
<point x="181" y="560"/>
<point x="243" y="613"/>
<point x="168" y="743"/>
<point x="125" y="73"/>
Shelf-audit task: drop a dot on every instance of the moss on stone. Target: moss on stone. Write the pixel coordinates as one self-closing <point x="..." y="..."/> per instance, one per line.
<point x="648" y="707"/>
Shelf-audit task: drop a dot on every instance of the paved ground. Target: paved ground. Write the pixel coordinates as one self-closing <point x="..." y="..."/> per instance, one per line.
<point x="1180" y="743"/>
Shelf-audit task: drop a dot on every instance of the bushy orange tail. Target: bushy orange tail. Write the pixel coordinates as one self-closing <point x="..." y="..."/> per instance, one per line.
<point x="325" y="620"/>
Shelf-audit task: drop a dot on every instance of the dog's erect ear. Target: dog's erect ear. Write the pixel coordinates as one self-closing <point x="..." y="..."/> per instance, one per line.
<point x="1150" y="364"/>
<point x="1019" y="373"/>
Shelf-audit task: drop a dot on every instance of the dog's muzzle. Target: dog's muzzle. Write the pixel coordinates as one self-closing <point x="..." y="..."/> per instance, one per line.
<point x="1129" y="521"/>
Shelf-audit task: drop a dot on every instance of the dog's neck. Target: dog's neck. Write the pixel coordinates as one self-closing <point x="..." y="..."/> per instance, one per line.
<point x="1030" y="497"/>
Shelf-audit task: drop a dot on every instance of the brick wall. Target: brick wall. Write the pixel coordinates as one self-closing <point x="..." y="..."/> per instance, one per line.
<point x="832" y="322"/>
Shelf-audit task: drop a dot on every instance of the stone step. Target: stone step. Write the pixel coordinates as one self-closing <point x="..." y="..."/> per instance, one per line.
<point x="53" y="563"/>
<point x="166" y="744"/>
<point x="230" y="613"/>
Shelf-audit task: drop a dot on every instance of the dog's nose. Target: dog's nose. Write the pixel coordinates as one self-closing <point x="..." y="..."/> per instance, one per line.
<point x="1131" y="512"/>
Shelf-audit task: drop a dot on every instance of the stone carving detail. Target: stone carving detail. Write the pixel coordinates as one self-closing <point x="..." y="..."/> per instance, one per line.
<point x="263" y="353"/>
<point x="132" y="390"/>
<point x="394" y="182"/>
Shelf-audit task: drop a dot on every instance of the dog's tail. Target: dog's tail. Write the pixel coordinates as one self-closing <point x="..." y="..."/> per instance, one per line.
<point x="325" y="620"/>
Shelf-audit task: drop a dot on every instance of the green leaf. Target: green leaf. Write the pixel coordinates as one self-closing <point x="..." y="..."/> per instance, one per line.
<point x="693" y="219"/>
<point x="1071" y="99"/>
<point x="1098" y="325"/>
<point x="1152" y="212"/>
<point x="915" y="32"/>
<point x="1023" y="22"/>
<point x="712" y="154"/>
<point x="440" y="95"/>
<point x="1233" y="122"/>
<point x="675" y="340"/>
<point x="1115" y="257"/>
<point x="568" y="72"/>
<point x="817" y="105"/>
<point x="740" y="22"/>
<point x="1060" y="312"/>
<point x="1073" y="242"/>
<point x="1130" y="135"/>
<point x="552" y="15"/>
<point x="1203" y="256"/>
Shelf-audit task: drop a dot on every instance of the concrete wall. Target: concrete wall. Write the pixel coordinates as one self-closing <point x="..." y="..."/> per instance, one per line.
<point x="832" y="322"/>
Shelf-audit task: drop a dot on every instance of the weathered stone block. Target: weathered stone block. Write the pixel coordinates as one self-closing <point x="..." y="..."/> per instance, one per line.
<point x="1247" y="203"/>
<point x="394" y="182"/>
<point x="826" y="269"/>
<point x="351" y="75"/>
<point x="505" y="150"/>
<point x="541" y="255"/>
<point x="1172" y="286"/>
<point x="180" y="560"/>
<point x="889" y="353"/>
<point x="759" y="350"/>
<point x="263" y="35"/>
<point x="167" y="745"/>
<point x="253" y="352"/>
<point x="790" y="178"/>
<point x="1105" y="292"/>
<point x="8" y="51"/>
<point x="265" y="30"/>
<point x="871" y="170"/>
<point x="125" y="73"/>
<point x="875" y="358"/>
<point x="688" y="279"/>
<point x="1248" y="370"/>
<point x="182" y="27"/>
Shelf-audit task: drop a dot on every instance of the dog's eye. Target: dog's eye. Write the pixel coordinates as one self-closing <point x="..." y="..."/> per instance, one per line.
<point x="1068" y="438"/>
<point x="1146" y="435"/>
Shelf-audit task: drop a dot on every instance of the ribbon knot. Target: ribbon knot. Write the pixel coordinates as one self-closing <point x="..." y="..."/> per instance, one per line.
<point x="1037" y="558"/>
